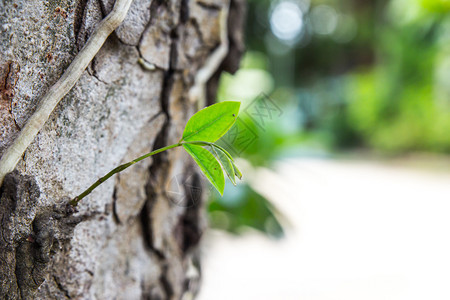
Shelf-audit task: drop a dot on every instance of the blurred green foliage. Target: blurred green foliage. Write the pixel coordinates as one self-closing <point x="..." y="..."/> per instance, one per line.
<point x="385" y="86"/>
<point x="370" y="74"/>
<point x="244" y="208"/>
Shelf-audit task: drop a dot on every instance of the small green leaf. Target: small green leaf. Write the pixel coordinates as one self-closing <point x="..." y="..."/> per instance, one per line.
<point x="224" y="151"/>
<point x="225" y="162"/>
<point x="236" y="170"/>
<point x="212" y="122"/>
<point x="208" y="164"/>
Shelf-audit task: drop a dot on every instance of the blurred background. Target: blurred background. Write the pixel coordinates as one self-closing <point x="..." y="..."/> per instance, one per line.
<point x="344" y="141"/>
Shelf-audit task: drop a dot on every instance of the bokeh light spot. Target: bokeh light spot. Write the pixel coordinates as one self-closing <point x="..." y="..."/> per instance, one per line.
<point x="286" y="21"/>
<point x="324" y="19"/>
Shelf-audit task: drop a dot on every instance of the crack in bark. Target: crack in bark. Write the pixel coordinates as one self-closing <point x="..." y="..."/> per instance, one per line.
<point x="158" y="161"/>
<point x="2" y="233"/>
<point x="8" y="71"/>
<point x="146" y="223"/>
<point x="16" y="278"/>
<point x="11" y="78"/>
<point x="200" y="34"/>
<point x="189" y="220"/>
<point x="61" y="287"/>
<point x="78" y="17"/>
<point x="184" y="11"/>
<point x="7" y="89"/>
<point x="153" y="9"/>
<point x="114" y="203"/>
<point x="103" y="8"/>
<point x="210" y="6"/>
<point x="14" y="118"/>
<point x="165" y="283"/>
<point x="94" y="72"/>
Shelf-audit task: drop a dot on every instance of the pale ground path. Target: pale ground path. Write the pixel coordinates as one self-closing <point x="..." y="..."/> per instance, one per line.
<point x="359" y="231"/>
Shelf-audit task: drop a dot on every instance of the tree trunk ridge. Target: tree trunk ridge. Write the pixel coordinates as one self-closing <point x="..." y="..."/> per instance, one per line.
<point x="137" y="235"/>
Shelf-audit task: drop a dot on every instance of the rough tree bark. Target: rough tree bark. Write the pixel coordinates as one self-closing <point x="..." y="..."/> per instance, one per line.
<point x="130" y="239"/>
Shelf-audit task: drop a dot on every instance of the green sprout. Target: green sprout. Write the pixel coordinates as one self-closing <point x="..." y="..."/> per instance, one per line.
<point x="202" y="130"/>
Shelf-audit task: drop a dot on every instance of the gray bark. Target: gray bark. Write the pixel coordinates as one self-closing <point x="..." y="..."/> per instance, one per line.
<point x="129" y="239"/>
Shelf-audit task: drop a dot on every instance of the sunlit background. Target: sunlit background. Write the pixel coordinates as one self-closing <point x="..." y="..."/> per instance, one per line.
<point x="344" y="143"/>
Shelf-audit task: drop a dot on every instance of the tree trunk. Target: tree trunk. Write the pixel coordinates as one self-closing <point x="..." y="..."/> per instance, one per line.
<point x="137" y="235"/>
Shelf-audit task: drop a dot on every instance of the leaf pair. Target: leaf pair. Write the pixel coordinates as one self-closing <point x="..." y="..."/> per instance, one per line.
<point x="203" y="129"/>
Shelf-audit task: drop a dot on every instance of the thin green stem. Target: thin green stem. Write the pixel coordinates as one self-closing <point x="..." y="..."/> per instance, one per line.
<point x="198" y="143"/>
<point x="120" y="168"/>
